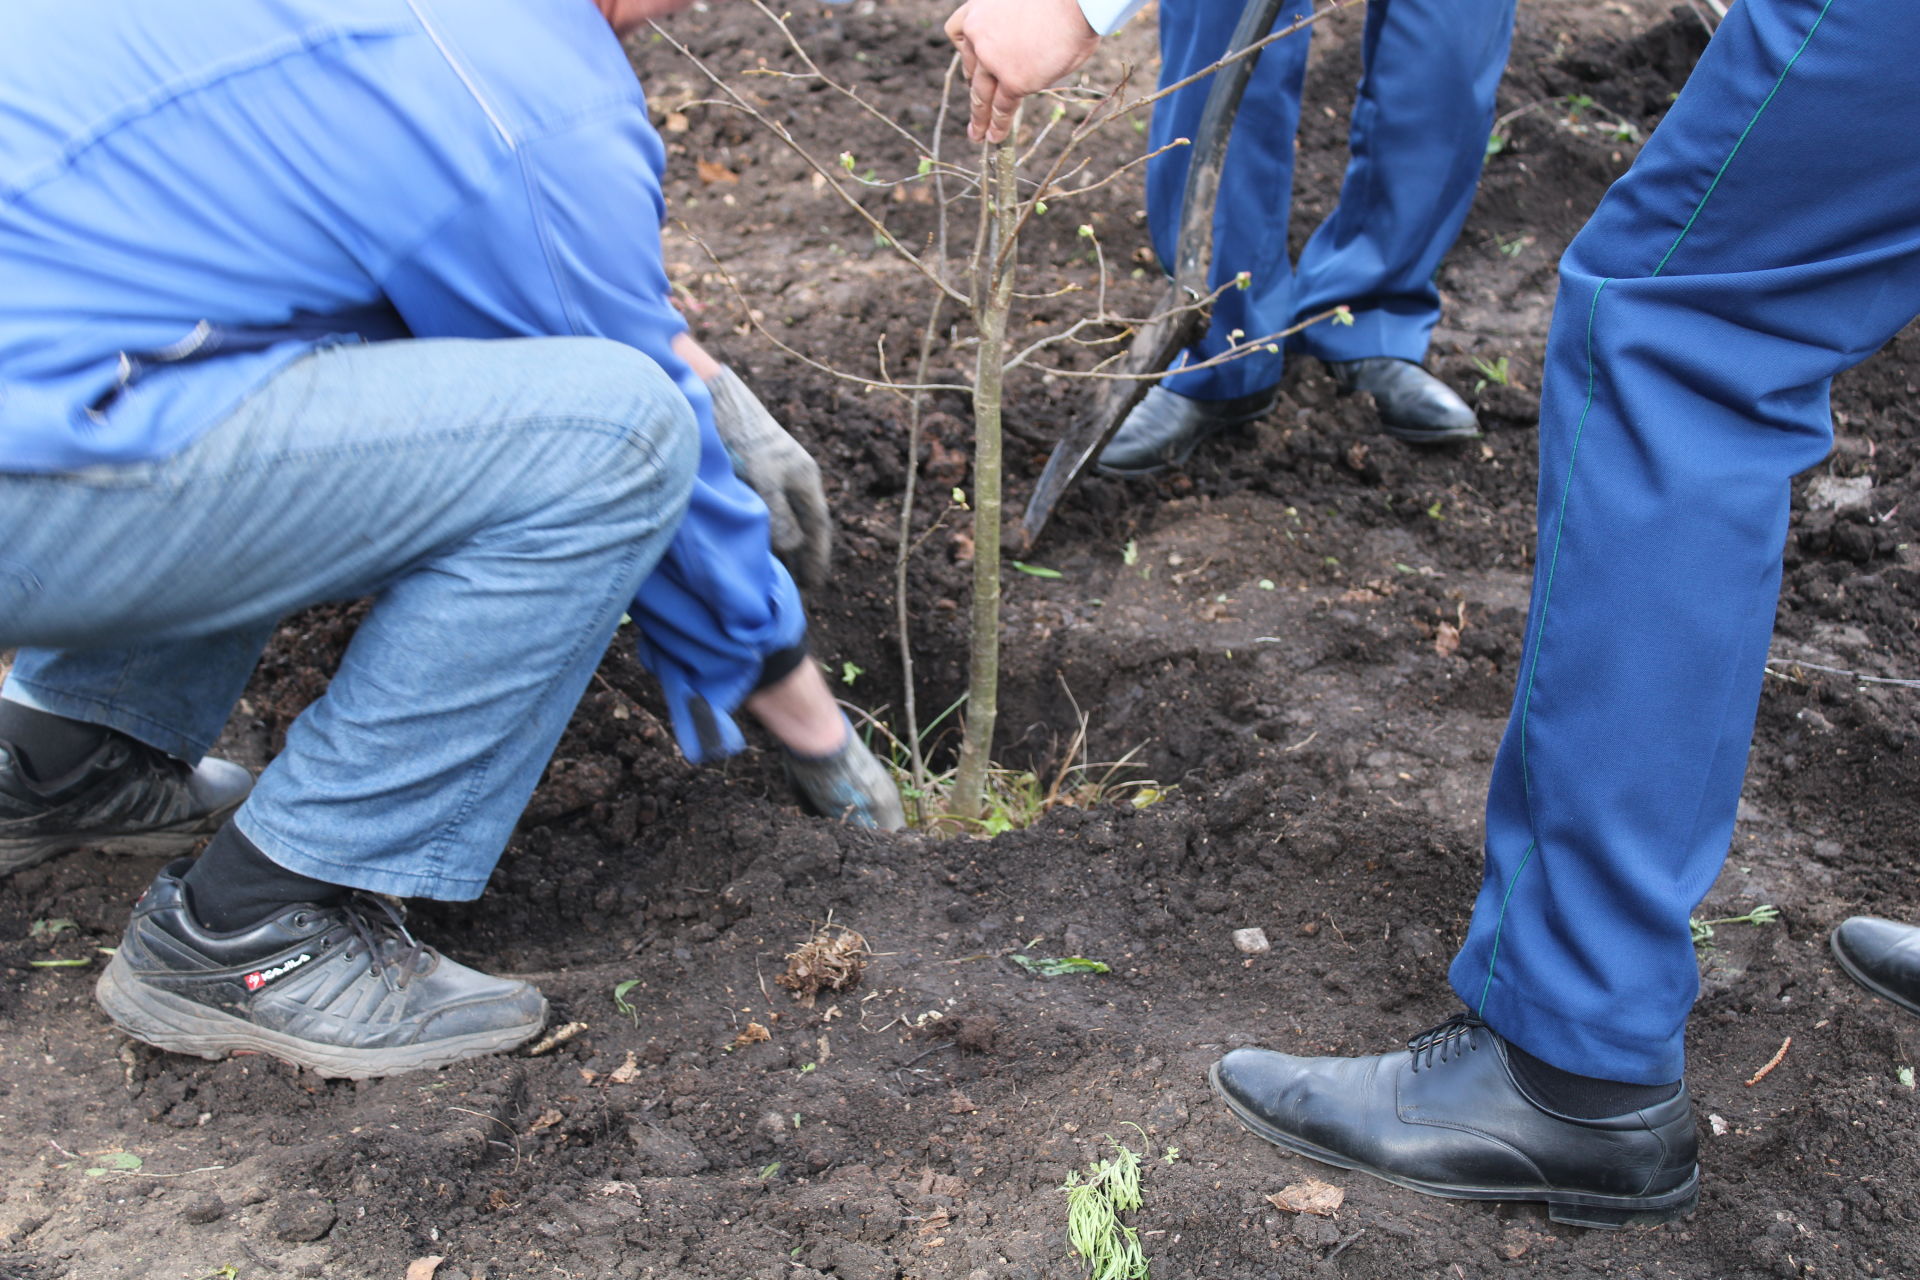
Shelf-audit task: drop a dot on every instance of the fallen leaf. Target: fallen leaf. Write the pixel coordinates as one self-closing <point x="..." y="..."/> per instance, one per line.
<point x="1446" y="639"/>
<point x="754" y="1034"/>
<point x="423" y="1268"/>
<point x="547" y="1119"/>
<point x="1311" y="1196"/>
<point x="960" y="1104"/>
<point x="676" y="122"/>
<point x="712" y="172"/>
<point x="936" y="1222"/>
<point x="627" y="1072"/>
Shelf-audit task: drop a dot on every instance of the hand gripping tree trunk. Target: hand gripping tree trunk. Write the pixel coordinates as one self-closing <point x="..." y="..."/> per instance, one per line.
<point x="992" y="298"/>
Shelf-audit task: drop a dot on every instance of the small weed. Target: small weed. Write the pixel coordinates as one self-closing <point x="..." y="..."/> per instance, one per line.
<point x="849" y="672"/>
<point x="1130" y="554"/>
<point x="228" y="1272"/>
<point x="621" y="1002"/>
<point x="767" y="1171"/>
<point x="46" y="930"/>
<point x="59" y="964"/>
<point x="1703" y="929"/>
<point x="1037" y="570"/>
<point x="1499" y="372"/>
<point x="1905" y="1076"/>
<point x="1016" y="798"/>
<point x="1109" y="1247"/>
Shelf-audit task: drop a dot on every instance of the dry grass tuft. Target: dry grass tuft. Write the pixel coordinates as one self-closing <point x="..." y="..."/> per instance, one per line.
<point x="833" y="959"/>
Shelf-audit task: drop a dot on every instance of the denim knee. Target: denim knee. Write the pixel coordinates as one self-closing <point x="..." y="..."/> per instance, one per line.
<point x="614" y="385"/>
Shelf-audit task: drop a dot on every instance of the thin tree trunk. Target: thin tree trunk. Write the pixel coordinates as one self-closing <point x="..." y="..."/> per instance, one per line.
<point x="994" y="295"/>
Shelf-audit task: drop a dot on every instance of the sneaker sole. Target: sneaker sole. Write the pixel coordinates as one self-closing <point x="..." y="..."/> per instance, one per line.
<point x="1853" y="971"/>
<point x="18" y="855"/>
<point x="1577" y="1209"/>
<point x="179" y="1025"/>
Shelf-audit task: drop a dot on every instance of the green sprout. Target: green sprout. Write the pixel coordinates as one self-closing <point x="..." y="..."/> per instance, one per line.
<point x="849" y="672"/>
<point x="1703" y="929"/>
<point x="1498" y="371"/>
<point x="621" y="1002"/>
<point x="1109" y="1247"/>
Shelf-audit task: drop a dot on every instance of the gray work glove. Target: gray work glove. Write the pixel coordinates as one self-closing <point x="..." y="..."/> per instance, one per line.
<point x="851" y="785"/>
<point x="773" y="465"/>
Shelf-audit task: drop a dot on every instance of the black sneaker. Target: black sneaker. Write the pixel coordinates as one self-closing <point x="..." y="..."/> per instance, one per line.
<point x="1445" y="1116"/>
<point x="124" y="798"/>
<point x="343" y="991"/>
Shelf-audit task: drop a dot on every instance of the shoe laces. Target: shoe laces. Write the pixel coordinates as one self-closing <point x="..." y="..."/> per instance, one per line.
<point x="1458" y="1035"/>
<point x="379" y="928"/>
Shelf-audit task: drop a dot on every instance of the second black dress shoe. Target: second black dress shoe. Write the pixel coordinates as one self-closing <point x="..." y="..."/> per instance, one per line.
<point x="1164" y="429"/>
<point x="1414" y="405"/>
<point x="1883" y="956"/>
<point x="1445" y="1116"/>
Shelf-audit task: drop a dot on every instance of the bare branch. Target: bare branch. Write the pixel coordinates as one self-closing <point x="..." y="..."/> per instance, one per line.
<point x="795" y="352"/>
<point x="779" y="131"/>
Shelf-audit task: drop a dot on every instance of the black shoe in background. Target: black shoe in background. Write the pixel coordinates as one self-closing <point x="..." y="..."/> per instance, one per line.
<point x="1414" y="405"/>
<point x="125" y="797"/>
<point x="1445" y="1116"/>
<point x="341" y="990"/>
<point x="1881" y="955"/>
<point x="1164" y="429"/>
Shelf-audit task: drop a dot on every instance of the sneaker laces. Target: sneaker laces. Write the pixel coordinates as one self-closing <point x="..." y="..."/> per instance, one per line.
<point x="1458" y="1035"/>
<point x="380" y="928"/>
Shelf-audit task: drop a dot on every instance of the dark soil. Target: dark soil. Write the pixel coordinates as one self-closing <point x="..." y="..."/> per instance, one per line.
<point x="1282" y="652"/>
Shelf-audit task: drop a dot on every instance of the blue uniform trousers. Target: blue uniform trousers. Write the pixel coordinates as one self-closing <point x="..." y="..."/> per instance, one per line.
<point x="1419" y="135"/>
<point x="1767" y="237"/>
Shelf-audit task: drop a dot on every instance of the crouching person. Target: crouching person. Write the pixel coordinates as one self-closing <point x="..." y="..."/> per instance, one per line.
<point x="342" y="298"/>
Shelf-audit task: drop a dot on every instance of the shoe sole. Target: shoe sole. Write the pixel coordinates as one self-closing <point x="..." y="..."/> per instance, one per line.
<point x="1578" y="1209"/>
<point x="1450" y="436"/>
<point x="18" y="855"/>
<point x="178" y="1025"/>
<point x="1853" y="971"/>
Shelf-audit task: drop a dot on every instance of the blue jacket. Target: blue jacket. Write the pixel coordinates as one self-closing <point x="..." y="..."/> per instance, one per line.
<point x="193" y="193"/>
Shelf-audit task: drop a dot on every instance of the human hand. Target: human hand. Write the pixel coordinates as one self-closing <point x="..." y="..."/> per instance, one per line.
<point x="773" y="465"/>
<point x="1012" y="48"/>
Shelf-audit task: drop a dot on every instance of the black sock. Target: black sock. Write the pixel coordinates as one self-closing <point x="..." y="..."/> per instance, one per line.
<point x="47" y="745"/>
<point x="234" y="885"/>
<point x="1583" y="1097"/>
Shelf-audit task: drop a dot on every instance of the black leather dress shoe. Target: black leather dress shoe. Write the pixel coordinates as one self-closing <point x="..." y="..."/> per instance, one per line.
<point x="1414" y="405"/>
<point x="1445" y="1117"/>
<point x="1164" y="429"/>
<point x="1883" y="956"/>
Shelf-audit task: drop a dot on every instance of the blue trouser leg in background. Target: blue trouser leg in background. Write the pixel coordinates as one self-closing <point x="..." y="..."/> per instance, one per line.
<point x="1420" y="126"/>
<point x="500" y="500"/>
<point x="1767" y="238"/>
<point x="1421" y="119"/>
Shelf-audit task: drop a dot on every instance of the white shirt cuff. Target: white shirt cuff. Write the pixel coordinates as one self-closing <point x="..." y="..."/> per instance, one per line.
<point x="1108" y="16"/>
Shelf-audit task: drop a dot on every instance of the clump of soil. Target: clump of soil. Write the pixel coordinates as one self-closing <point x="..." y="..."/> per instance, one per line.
<point x="1311" y="645"/>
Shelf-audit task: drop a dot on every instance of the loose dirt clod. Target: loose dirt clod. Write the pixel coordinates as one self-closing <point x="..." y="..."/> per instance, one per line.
<point x="833" y="959"/>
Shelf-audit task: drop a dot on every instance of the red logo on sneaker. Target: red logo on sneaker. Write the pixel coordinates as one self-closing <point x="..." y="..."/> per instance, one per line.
<point x="261" y="977"/>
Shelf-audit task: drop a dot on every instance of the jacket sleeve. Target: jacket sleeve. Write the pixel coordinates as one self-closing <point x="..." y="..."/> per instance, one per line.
<point x="566" y="241"/>
<point x="1108" y="16"/>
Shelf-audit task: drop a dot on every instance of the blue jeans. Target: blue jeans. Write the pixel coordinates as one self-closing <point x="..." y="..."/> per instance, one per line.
<point x="500" y="500"/>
